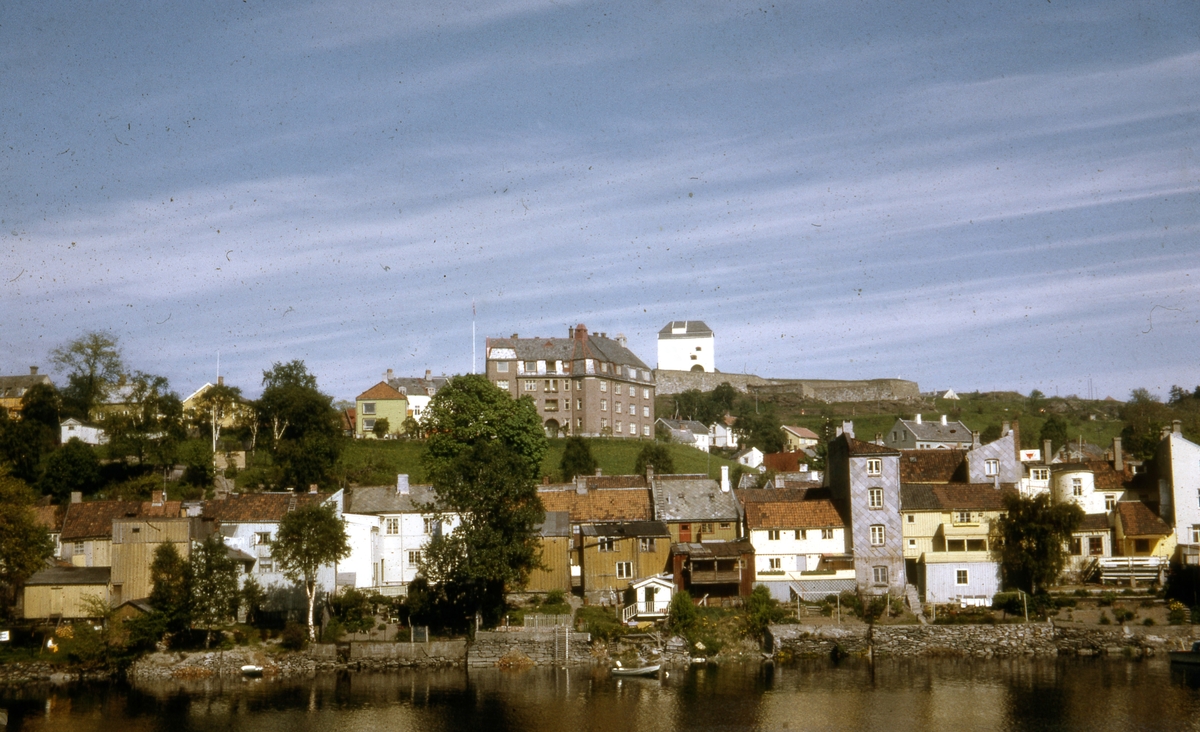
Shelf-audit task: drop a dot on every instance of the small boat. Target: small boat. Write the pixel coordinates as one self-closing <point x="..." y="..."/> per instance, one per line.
<point x="252" y="670"/>
<point x="637" y="671"/>
<point x="1191" y="658"/>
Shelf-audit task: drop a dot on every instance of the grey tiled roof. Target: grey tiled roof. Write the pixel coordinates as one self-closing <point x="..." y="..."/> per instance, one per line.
<point x="685" y="425"/>
<point x="419" y="386"/>
<point x="693" y="328"/>
<point x="938" y="432"/>
<point x="71" y="576"/>
<point x="16" y="386"/>
<point x="692" y="498"/>
<point x="626" y="528"/>
<point x="557" y="523"/>
<point x="375" y="499"/>
<point x="568" y="349"/>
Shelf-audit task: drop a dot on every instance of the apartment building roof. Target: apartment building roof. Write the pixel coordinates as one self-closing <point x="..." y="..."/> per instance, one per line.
<point x="818" y="513"/>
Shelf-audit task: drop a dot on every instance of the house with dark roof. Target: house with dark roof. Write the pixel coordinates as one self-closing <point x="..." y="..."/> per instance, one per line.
<point x="688" y="432"/>
<point x="381" y="401"/>
<point x="64" y="592"/>
<point x="87" y="528"/>
<point x="686" y="345"/>
<point x="948" y="530"/>
<point x="584" y="384"/>
<point x="388" y="527"/>
<point x="417" y="390"/>
<point x="695" y="508"/>
<point x="14" y="388"/>
<point x="865" y="478"/>
<point x="919" y="434"/>
<point x="715" y="568"/>
<point x="617" y="553"/>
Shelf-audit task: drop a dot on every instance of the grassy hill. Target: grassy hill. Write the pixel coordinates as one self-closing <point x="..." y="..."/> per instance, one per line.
<point x="377" y="462"/>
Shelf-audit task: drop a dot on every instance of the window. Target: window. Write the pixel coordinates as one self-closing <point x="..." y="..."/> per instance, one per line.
<point x="603" y="405"/>
<point x="566" y="384"/>
<point x="503" y="384"/>
<point x="880" y="575"/>
<point x="392" y="526"/>
<point x="912" y="543"/>
<point x="645" y="430"/>
<point x="261" y="537"/>
<point x="632" y="428"/>
<point x="265" y="566"/>
<point x="826" y="533"/>
<point x="414" y="558"/>
<point x="1195" y="534"/>
<point x="962" y="517"/>
<point x="502" y="366"/>
<point x="646" y="392"/>
<point x="801" y="534"/>
<point x="962" y="577"/>
<point x="551" y="405"/>
<point x="606" y="544"/>
<point x="956" y="545"/>
<point x="1076" y="546"/>
<point x="619" y="427"/>
<point x="912" y="519"/>
<point x="1095" y="546"/>
<point x="624" y="570"/>
<point x="1141" y="545"/>
<point x="773" y="535"/>
<point x="604" y="367"/>
<point x="874" y="466"/>
<point x="726" y="525"/>
<point x="368" y="407"/>
<point x="531" y="367"/>
<point x="876" y="497"/>
<point x="645" y="411"/>
<point x="878" y="535"/>
<point x="551" y="385"/>
<point x="567" y="407"/>
<point x="646" y="544"/>
<point x="617" y="407"/>
<point x="579" y="422"/>
<point x="1039" y="473"/>
<point x="579" y="404"/>
<point x="1110" y="500"/>
<point x="78" y="548"/>
<point x="775" y="563"/>
<point x="431" y="526"/>
<point x="977" y="545"/>
<point x="991" y="468"/>
<point x="617" y="389"/>
<point x="1077" y="486"/>
<point x="368" y="425"/>
<point x="530" y="385"/>
<point x="604" y="386"/>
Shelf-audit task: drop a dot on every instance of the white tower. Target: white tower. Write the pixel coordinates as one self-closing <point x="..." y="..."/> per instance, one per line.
<point x="686" y="345"/>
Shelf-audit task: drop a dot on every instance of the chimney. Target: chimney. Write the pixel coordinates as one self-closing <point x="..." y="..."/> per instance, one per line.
<point x="515" y="336"/>
<point x="724" y="478"/>
<point x="313" y="489"/>
<point x="581" y="333"/>
<point x="1047" y="446"/>
<point x="1118" y="458"/>
<point x="879" y="438"/>
<point x="1177" y="426"/>
<point x="649" y="474"/>
<point x="76" y="497"/>
<point x="33" y="370"/>
<point x="428" y="374"/>
<point x="603" y="335"/>
<point x="621" y="340"/>
<point x="220" y="381"/>
<point x="157" y="498"/>
<point x="581" y="485"/>
<point x="1165" y="432"/>
<point x="943" y="420"/>
<point x="1016" y="429"/>
<point x="975" y="439"/>
<point x="1005" y="428"/>
<point x="599" y="472"/>
<point x="918" y="418"/>
<point x="402" y="484"/>
<point x="848" y="428"/>
<point x="390" y="375"/>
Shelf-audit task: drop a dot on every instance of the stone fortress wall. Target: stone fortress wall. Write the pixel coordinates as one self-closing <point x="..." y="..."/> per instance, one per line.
<point x="821" y="390"/>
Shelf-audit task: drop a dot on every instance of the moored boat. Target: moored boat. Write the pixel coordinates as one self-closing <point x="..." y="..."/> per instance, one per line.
<point x="636" y="671"/>
<point x="252" y="670"/>
<point x="1191" y="657"/>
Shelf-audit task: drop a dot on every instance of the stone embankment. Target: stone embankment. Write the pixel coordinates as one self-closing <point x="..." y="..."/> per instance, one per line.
<point x="17" y="674"/>
<point x="667" y="383"/>
<point x="1033" y="639"/>
<point x="530" y="647"/>
<point x="209" y="664"/>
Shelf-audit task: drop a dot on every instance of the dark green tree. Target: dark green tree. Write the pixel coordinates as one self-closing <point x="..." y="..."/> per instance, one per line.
<point x="214" y="585"/>
<point x="656" y="454"/>
<point x="382" y="427"/>
<point x="41" y="407"/>
<point x="252" y="598"/>
<point x="723" y="398"/>
<point x="25" y="544"/>
<point x="151" y="428"/>
<point x="682" y="615"/>
<point x="1055" y="429"/>
<point x="758" y="425"/>
<point x="1031" y="540"/>
<point x="309" y="538"/>
<point x="469" y="410"/>
<point x="305" y="429"/>
<point x="1144" y="416"/>
<point x="92" y="364"/>
<point x="21" y="447"/>
<point x="171" y="594"/>
<point x="72" y="467"/>
<point x="577" y="459"/>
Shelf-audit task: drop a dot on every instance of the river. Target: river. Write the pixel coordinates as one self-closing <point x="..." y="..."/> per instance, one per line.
<point x="925" y="694"/>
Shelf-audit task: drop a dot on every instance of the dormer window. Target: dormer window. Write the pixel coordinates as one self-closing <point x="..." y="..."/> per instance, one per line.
<point x="991" y="468"/>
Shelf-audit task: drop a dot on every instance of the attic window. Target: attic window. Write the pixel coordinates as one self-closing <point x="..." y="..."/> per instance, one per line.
<point x="136" y="529"/>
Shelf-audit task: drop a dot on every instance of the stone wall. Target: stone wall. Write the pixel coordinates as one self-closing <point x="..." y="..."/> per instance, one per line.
<point x="821" y="390"/>
<point x="529" y="647"/>
<point x="434" y="653"/>
<point x="1020" y="639"/>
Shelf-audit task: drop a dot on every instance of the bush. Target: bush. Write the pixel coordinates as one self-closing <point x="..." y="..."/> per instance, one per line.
<point x="1176" y="613"/>
<point x="1122" y="615"/>
<point x="601" y="622"/>
<point x="1009" y="602"/>
<point x="1104" y="619"/>
<point x="1107" y="599"/>
<point x="333" y="632"/>
<point x="761" y="611"/>
<point x="682" y="614"/>
<point x="294" y="637"/>
<point x="1148" y="622"/>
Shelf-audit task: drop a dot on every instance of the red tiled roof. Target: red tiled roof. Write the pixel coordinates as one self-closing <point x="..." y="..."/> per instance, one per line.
<point x="381" y="391"/>
<point x="931" y="466"/>
<point x="258" y="507"/>
<point x="93" y="519"/>
<point x="49" y="516"/>
<point x="601" y="504"/>
<point x="775" y="495"/>
<point x="784" y="462"/>
<point x="816" y="514"/>
<point x="1138" y="520"/>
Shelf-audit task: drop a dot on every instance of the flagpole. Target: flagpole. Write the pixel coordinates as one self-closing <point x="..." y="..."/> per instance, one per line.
<point x="472" y="336"/>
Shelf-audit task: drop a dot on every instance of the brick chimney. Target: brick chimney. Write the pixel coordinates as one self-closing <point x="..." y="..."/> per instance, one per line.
<point x="581" y="333"/>
<point x="1016" y="428"/>
<point x="312" y="488"/>
<point x="33" y="370"/>
<point x="220" y="381"/>
<point x="1118" y="458"/>
<point x="879" y="438"/>
<point x="599" y="472"/>
<point x="428" y="374"/>
<point x="157" y="498"/>
<point x="581" y="485"/>
<point x="975" y="442"/>
<point x="390" y="375"/>
<point x="1005" y="428"/>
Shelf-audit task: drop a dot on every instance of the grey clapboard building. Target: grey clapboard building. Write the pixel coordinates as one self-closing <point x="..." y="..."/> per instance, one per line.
<point x="865" y="478"/>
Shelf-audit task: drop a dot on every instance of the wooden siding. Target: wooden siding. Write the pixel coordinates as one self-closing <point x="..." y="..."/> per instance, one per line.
<point x="555" y="554"/>
<point x="134" y="544"/>
<point x="729" y="533"/>
<point x="67" y="601"/>
<point x="600" y="568"/>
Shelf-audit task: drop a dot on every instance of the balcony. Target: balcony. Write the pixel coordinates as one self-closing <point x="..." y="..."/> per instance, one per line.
<point x="715" y="577"/>
<point x="651" y="609"/>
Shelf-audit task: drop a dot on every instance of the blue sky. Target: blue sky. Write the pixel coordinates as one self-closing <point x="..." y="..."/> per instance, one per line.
<point x="978" y="195"/>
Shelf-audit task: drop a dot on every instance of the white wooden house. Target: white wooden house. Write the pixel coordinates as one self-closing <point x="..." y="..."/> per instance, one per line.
<point x="648" y="598"/>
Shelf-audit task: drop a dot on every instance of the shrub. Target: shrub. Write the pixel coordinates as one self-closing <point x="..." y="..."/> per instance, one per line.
<point x="1107" y="599"/>
<point x="1122" y="615"/>
<point x="682" y="614"/>
<point x="1176" y="613"/>
<point x="294" y="636"/>
<point x="601" y="622"/>
<point x="761" y="611"/>
<point x="1104" y="619"/>
<point x="1148" y="622"/>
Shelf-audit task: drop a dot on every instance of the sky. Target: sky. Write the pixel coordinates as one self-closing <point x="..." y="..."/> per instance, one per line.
<point x="977" y="196"/>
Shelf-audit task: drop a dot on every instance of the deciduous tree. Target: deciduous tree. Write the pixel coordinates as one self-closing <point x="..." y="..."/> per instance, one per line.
<point x="308" y="539"/>
<point x="214" y="588"/>
<point x="577" y="459"/>
<point x="171" y="594"/>
<point x="92" y="364"/>
<point x="305" y="428"/>
<point x="1031" y="540"/>
<point x="72" y="467"/>
<point x="657" y="455"/>
<point x="25" y="544"/>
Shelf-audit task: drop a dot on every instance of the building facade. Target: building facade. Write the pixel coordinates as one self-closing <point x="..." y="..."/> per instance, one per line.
<point x="686" y="345"/>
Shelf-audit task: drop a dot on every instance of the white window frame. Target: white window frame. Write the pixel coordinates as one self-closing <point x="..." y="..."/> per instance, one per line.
<point x="414" y="557"/>
<point x="646" y="544"/>
<point x="503" y="384"/>
<point x="604" y="386"/>
<point x="624" y="570"/>
<point x="1196" y="533"/>
<point x="991" y="467"/>
<point x="368" y="407"/>
<point x="1039" y="474"/>
<point x="529" y="385"/>
<point x="606" y="544"/>
<point x="1077" y="486"/>
<point x="774" y="563"/>
<point x="430" y="525"/>
<point x="502" y="367"/>
<point x="962" y="577"/>
<point x="391" y="526"/>
<point x="879" y="575"/>
<point x="875" y="497"/>
<point x="826" y="533"/>
<point x="645" y="430"/>
<point x="772" y="534"/>
<point x="874" y="466"/>
<point x="878" y="535"/>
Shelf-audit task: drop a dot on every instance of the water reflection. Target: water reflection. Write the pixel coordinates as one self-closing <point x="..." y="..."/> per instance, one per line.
<point x="1052" y="694"/>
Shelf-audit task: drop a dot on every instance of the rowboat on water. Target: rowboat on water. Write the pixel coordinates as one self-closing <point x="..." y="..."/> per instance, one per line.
<point x="1191" y="658"/>
<point x="252" y="670"/>
<point x="636" y="670"/>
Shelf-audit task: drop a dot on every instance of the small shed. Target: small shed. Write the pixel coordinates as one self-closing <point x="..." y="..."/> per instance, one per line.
<point x="648" y="598"/>
<point x="61" y="592"/>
